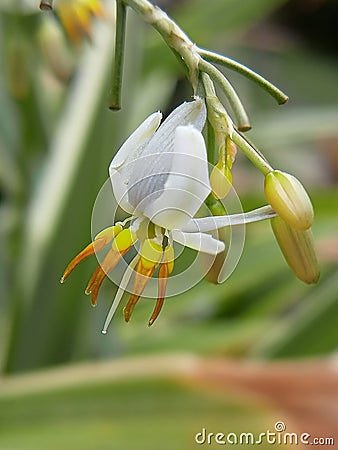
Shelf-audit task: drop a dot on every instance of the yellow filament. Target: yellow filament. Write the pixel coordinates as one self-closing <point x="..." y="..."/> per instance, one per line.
<point x="124" y="240"/>
<point x="109" y="233"/>
<point x="142" y="277"/>
<point x="96" y="280"/>
<point x="163" y="274"/>
<point x="88" y="251"/>
<point x="151" y="254"/>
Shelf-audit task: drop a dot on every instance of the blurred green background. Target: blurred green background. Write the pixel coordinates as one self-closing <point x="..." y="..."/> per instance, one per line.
<point x="208" y="360"/>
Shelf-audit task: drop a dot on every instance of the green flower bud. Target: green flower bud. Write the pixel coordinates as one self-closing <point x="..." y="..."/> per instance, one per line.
<point x="289" y="199"/>
<point x="298" y="250"/>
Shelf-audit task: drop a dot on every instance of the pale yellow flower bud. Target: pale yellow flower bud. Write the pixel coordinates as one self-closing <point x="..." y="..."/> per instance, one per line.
<point x="298" y="249"/>
<point x="221" y="175"/>
<point x="220" y="181"/>
<point x="289" y="199"/>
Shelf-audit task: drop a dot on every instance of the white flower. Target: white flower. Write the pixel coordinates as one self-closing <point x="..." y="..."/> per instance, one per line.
<point x="160" y="177"/>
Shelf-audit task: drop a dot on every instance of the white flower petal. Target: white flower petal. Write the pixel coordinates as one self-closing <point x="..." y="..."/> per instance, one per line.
<point x="120" y="167"/>
<point x="188" y="113"/>
<point x="173" y="200"/>
<point x="199" y="241"/>
<point x="120" y="191"/>
<point x="131" y="176"/>
<point x="216" y="222"/>
<point x="137" y="140"/>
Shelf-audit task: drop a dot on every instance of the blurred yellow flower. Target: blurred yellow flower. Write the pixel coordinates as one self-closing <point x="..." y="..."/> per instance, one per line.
<point x="76" y="16"/>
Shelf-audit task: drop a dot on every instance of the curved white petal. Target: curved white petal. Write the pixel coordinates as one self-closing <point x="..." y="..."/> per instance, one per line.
<point x="176" y="198"/>
<point x="137" y="140"/>
<point x="188" y="113"/>
<point x="215" y="222"/>
<point x="120" y="167"/>
<point x="128" y="173"/>
<point x="120" y="190"/>
<point x="199" y="241"/>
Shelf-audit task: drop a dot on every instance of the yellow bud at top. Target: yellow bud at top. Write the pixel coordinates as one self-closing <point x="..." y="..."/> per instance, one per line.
<point x="109" y="233"/>
<point x="124" y="240"/>
<point x="289" y="199"/>
<point x="151" y="253"/>
<point x="221" y="175"/>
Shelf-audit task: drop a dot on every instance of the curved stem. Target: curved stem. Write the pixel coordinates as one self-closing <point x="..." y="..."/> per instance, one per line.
<point x="216" y="58"/>
<point x="254" y="155"/>
<point x="216" y="75"/>
<point x="177" y="40"/>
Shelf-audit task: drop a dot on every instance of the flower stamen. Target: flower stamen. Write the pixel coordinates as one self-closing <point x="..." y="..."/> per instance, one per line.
<point x="96" y="280"/>
<point x="164" y="271"/>
<point x="150" y="256"/>
<point x="100" y="241"/>
<point x="121" y="244"/>
<point x="142" y="278"/>
<point x="88" y="251"/>
<point x="163" y="274"/>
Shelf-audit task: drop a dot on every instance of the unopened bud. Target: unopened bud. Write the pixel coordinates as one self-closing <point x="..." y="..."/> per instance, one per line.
<point x="221" y="175"/>
<point x="220" y="181"/>
<point x="289" y="199"/>
<point x="298" y="249"/>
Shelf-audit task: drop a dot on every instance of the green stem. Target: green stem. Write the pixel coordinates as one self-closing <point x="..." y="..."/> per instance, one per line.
<point x="172" y="34"/>
<point x="276" y="93"/>
<point x="115" y="93"/>
<point x="158" y="19"/>
<point x="211" y="144"/>
<point x="255" y="157"/>
<point x="216" y="75"/>
<point x="46" y="5"/>
<point x="208" y="85"/>
<point x="215" y="206"/>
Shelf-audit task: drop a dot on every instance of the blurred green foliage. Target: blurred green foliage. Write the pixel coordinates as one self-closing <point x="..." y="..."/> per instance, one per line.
<point x="56" y="143"/>
<point x="156" y="413"/>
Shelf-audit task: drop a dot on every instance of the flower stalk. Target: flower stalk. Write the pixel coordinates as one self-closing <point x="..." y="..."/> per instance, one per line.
<point x="242" y="119"/>
<point x="116" y="85"/>
<point x="253" y="154"/>
<point x="198" y="60"/>
<point x="262" y="82"/>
